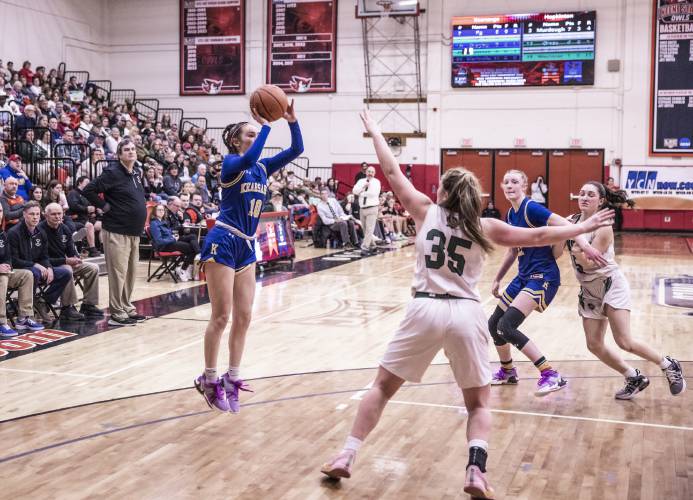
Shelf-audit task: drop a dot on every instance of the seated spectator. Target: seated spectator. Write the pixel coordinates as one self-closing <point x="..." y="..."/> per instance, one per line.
<point x="83" y="216"/>
<point x="195" y="213"/>
<point x="23" y="281"/>
<point x="175" y="218"/>
<point x="69" y="148"/>
<point x="36" y="194"/>
<point x="12" y="203"/>
<point x="274" y="204"/>
<point x="350" y="205"/>
<point x="26" y="70"/>
<point x="29" y="149"/>
<point x="153" y="186"/>
<point x="112" y="141"/>
<point x="164" y="240"/>
<point x="332" y="215"/>
<point x="28" y="246"/>
<point x="201" y="171"/>
<point x="63" y="254"/>
<point x="491" y="211"/>
<point x="332" y="186"/>
<point x="14" y="169"/>
<point x="25" y="121"/>
<point x="172" y="183"/>
<point x="56" y="134"/>
<point x="206" y="196"/>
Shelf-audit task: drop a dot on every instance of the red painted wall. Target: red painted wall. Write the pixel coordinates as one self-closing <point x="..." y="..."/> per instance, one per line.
<point x="424" y="177"/>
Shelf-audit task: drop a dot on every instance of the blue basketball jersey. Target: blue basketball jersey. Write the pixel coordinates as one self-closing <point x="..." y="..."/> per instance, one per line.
<point x="534" y="262"/>
<point x="244" y="180"/>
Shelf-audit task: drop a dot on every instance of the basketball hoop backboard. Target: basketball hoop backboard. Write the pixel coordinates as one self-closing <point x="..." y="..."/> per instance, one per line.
<point x="381" y="8"/>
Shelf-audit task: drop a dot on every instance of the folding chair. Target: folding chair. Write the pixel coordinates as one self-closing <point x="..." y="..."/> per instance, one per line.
<point x="40" y="296"/>
<point x="168" y="262"/>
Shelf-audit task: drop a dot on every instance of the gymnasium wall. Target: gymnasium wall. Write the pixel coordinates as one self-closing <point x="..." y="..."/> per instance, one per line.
<point x="135" y="44"/>
<point x="48" y="32"/>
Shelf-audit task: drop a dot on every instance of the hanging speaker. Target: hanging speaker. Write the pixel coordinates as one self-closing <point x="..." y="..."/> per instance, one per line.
<point x="613" y="65"/>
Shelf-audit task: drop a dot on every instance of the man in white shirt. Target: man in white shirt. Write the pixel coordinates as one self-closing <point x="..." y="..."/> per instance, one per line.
<point x="332" y="215"/>
<point x="368" y="192"/>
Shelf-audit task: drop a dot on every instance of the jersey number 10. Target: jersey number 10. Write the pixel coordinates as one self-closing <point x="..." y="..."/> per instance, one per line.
<point x="255" y="208"/>
<point x="438" y="256"/>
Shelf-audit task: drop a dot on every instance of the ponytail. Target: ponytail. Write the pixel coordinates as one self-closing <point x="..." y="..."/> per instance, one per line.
<point x="230" y="133"/>
<point x="611" y="198"/>
<point x="463" y="204"/>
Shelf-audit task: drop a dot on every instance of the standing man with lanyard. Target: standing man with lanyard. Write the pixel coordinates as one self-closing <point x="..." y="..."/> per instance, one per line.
<point x="368" y="191"/>
<point x="124" y="214"/>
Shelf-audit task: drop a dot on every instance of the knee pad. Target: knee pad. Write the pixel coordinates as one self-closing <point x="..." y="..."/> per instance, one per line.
<point x="507" y="327"/>
<point x="493" y="326"/>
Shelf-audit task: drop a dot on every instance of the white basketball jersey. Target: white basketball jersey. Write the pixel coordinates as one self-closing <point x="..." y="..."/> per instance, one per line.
<point x="585" y="276"/>
<point x="446" y="259"/>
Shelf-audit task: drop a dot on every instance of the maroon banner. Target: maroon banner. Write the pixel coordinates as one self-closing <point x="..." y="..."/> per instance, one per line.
<point x="212" y="47"/>
<point x="302" y="45"/>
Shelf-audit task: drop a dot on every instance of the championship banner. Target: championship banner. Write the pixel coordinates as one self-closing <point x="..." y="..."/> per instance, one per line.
<point x="302" y="45"/>
<point x="659" y="188"/>
<point x="671" y="117"/>
<point x="212" y="47"/>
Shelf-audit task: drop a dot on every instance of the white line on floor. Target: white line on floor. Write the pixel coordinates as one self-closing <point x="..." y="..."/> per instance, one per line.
<point x="359" y="395"/>
<point x="548" y="415"/>
<point x="40" y="372"/>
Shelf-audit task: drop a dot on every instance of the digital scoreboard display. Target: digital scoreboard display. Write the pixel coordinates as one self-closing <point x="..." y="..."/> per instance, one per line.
<point x="302" y="45"/>
<point x="672" y="79"/>
<point x="524" y="49"/>
<point x="212" y="47"/>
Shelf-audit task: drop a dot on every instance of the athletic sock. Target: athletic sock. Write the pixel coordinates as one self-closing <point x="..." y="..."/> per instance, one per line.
<point x="664" y="364"/>
<point x="507" y="365"/>
<point x="478" y="453"/>
<point x="630" y="372"/>
<point x="234" y="373"/>
<point x="352" y="444"/>
<point x="211" y="375"/>
<point x="542" y="365"/>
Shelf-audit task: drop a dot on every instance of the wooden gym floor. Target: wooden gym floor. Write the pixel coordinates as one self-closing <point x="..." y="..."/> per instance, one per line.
<point x="113" y="415"/>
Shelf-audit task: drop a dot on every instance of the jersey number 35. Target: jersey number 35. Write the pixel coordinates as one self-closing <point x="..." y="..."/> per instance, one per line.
<point x="440" y="253"/>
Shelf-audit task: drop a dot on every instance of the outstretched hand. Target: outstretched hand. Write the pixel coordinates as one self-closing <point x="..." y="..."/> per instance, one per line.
<point x="257" y="117"/>
<point x="604" y="217"/>
<point x="290" y="114"/>
<point x="369" y="123"/>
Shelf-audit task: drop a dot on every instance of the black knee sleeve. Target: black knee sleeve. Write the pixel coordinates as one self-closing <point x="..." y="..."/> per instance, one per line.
<point x="507" y="327"/>
<point x="493" y="326"/>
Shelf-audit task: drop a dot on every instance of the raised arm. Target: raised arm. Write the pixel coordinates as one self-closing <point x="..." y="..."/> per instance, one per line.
<point x="283" y="158"/>
<point x="234" y="164"/>
<point x="413" y="201"/>
<point x="590" y="252"/>
<point x="510" y="236"/>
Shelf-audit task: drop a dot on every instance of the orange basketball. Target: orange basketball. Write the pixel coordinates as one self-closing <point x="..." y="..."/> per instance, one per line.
<point x="270" y="102"/>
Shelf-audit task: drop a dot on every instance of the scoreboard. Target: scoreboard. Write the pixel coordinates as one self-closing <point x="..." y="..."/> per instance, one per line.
<point x="523" y="49"/>
<point x="672" y="79"/>
<point x="212" y="47"/>
<point x="302" y="45"/>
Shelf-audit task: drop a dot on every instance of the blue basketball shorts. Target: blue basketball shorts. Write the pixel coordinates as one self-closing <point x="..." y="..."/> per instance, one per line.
<point x="224" y="247"/>
<point x="540" y="290"/>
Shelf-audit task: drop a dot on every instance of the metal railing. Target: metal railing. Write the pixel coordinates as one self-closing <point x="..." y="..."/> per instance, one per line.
<point x="215" y="134"/>
<point x="61" y="70"/>
<point x="102" y="89"/>
<point x="6" y="125"/>
<point x="174" y="114"/>
<point x="188" y="123"/>
<point x="123" y="96"/>
<point x="82" y="77"/>
<point x="147" y="109"/>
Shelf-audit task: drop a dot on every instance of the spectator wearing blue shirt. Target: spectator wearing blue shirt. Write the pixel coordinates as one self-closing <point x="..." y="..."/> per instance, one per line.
<point x="164" y="240"/>
<point x="14" y="169"/>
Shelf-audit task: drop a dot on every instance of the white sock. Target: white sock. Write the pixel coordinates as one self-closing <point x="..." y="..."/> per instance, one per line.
<point x="234" y="372"/>
<point x="629" y="372"/>
<point x="480" y="443"/>
<point x="211" y="374"/>
<point x="664" y="364"/>
<point x="352" y="444"/>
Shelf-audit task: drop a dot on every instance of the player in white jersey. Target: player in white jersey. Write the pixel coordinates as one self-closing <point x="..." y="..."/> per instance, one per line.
<point x="446" y="313"/>
<point x="605" y="299"/>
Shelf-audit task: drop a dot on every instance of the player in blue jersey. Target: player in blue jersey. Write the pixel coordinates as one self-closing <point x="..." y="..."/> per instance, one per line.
<point x="228" y="253"/>
<point x="534" y="287"/>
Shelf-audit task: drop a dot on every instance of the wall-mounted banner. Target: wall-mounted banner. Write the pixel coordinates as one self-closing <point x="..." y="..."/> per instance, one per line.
<point x="302" y="45"/>
<point x="659" y="188"/>
<point x="212" y="47"/>
<point x="671" y="117"/>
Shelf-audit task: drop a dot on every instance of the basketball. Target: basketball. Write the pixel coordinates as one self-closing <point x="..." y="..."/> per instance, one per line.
<point x="270" y="102"/>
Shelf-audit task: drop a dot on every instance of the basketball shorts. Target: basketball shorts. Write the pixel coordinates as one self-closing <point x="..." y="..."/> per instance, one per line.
<point x="596" y="294"/>
<point x="541" y="291"/>
<point x="224" y="247"/>
<point x="457" y="326"/>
